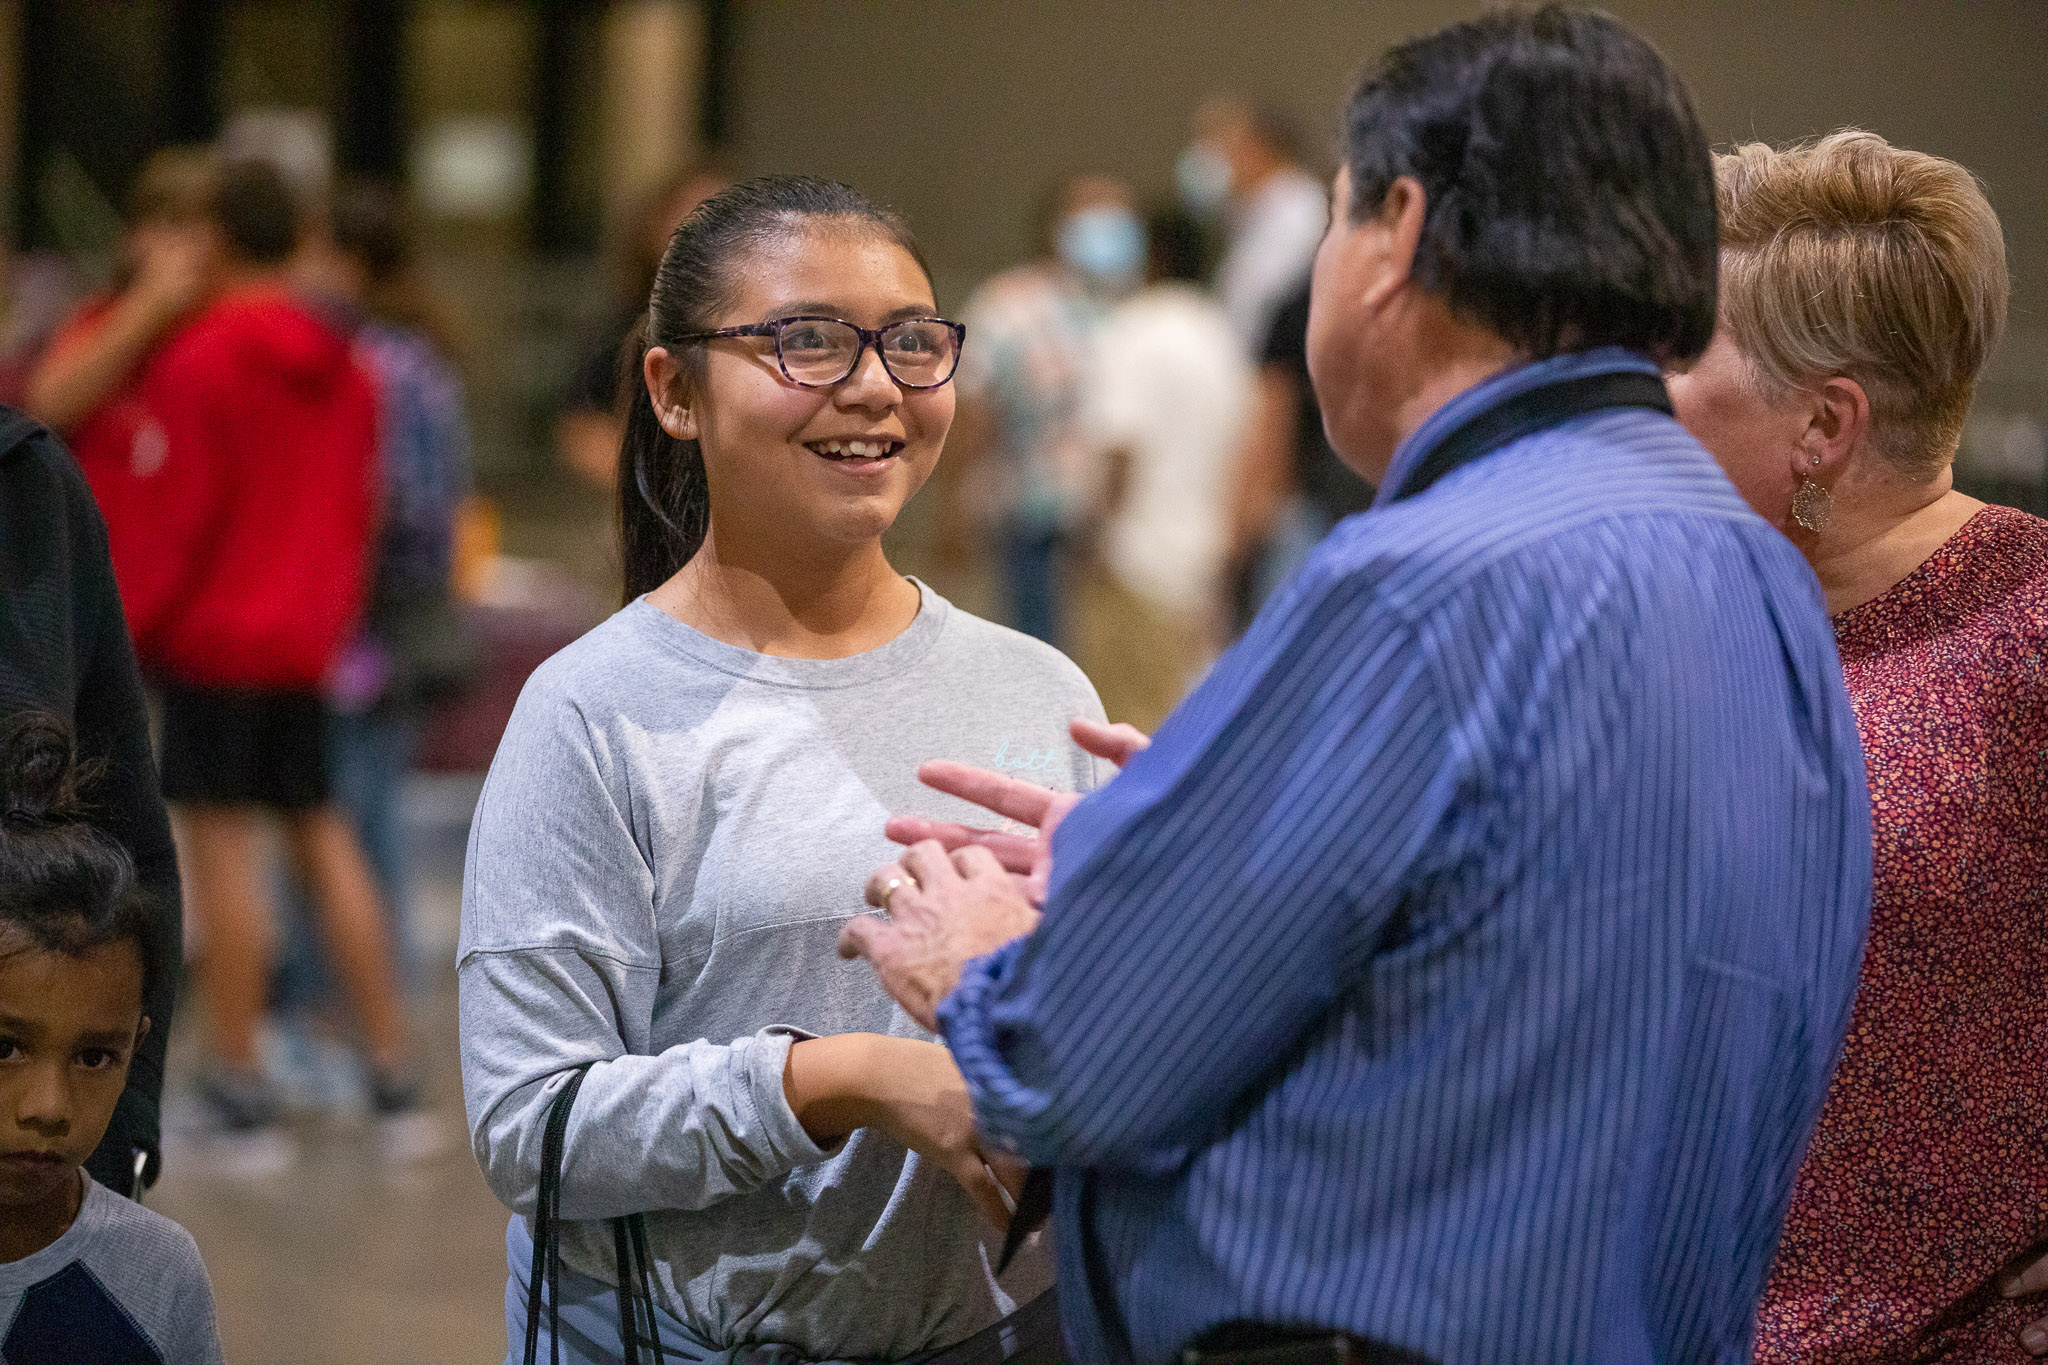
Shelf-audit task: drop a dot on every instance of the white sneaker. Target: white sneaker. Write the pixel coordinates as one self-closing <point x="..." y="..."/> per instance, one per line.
<point x="406" y="1129"/>
<point x="411" y="1135"/>
<point x="228" y="1127"/>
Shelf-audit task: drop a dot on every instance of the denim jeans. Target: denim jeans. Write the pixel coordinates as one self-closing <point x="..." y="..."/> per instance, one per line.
<point x="1034" y="579"/>
<point x="368" y="757"/>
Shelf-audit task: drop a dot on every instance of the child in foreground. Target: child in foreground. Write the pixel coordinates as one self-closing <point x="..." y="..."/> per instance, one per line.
<point x="85" y="1275"/>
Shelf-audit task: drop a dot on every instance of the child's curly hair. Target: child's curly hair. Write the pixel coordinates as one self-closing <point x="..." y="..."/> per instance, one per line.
<point x="64" y="883"/>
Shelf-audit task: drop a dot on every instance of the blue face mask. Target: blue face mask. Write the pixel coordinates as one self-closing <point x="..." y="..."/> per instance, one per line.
<point x="1105" y="244"/>
<point x="1203" y="175"/>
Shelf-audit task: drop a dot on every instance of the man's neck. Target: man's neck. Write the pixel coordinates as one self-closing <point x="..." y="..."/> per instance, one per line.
<point x="826" y="607"/>
<point x="1882" y="528"/>
<point x="1464" y="358"/>
<point x="26" y="1230"/>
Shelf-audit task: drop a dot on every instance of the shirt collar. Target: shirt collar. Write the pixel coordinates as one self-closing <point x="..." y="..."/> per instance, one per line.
<point x="1491" y="393"/>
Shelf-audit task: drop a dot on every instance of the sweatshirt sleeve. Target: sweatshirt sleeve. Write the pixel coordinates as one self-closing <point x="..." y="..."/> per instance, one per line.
<point x="193" y="1320"/>
<point x="559" y="967"/>
<point x="112" y="727"/>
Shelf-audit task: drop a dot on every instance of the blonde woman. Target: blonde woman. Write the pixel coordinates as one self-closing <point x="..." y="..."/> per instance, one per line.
<point x="1862" y="287"/>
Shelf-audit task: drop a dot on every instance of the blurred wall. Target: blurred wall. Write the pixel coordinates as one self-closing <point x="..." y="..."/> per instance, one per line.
<point x="961" y="113"/>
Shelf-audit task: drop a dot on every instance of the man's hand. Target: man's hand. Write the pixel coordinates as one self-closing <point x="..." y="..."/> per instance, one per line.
<point x="1027" y="856"/>
<point x="2032" y="1280"/>
<point x="944" y="910"/>
<point x="960" y="892"/>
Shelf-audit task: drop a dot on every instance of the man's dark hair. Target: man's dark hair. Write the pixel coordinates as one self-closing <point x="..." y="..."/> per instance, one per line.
<point x="257" y="212"/>
<point x="1569" y="188"/>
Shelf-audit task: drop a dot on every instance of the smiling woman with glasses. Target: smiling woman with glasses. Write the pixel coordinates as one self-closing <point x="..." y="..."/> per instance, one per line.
<point x="682" y="812"/>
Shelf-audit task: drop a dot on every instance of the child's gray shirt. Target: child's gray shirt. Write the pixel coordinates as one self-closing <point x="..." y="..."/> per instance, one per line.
<point x="123" y="1284"/>
<point x="672" y="834"/>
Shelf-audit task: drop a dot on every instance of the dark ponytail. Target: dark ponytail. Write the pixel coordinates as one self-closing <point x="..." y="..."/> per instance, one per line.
<point x="69" y="887"/>
<point x="664" y="499"/>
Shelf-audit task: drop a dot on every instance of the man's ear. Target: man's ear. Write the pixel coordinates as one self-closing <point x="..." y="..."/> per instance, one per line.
<point x="1838" y="417"/>
<point x="662" y="373"/>
<point x="1400" y="218"/>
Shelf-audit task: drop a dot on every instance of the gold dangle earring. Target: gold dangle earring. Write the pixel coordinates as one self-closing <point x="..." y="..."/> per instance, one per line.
<point x="1812" y="505"/>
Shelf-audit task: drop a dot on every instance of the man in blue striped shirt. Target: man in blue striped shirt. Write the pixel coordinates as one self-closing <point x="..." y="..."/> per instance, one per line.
<point x="1463" y="965"/>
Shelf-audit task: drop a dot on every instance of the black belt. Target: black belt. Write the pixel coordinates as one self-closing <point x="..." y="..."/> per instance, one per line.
<point x="1252" y="1343"/>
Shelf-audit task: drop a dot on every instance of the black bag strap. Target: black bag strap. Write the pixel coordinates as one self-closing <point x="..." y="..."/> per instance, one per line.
<point x="629" y="1247"/>
<point x="1527" y="413"/>
<point x="1034" y="1206"/>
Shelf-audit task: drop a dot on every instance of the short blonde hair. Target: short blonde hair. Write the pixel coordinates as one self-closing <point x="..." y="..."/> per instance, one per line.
<point x="1849" y="256"/>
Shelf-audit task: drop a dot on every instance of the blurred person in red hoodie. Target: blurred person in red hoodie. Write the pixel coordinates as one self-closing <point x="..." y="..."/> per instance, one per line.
<point x="88" y="384"/>
<point x="263" y="510"/>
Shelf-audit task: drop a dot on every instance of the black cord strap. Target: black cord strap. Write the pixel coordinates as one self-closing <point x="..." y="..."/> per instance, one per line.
<point x="637" y="1322"/>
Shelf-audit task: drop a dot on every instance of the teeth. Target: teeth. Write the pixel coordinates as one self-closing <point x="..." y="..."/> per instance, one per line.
<point x="859" y="450"/>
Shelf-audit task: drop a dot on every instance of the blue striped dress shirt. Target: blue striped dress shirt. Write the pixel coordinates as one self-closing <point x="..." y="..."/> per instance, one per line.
<point x="1465" y="962"/>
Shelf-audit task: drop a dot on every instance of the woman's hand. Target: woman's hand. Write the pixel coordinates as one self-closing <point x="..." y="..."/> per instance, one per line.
<point x="2032" y="1280"/>
<point x="907" y="1089"/>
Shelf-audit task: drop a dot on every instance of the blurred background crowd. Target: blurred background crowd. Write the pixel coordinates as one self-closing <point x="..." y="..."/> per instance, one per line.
<point x="1121" y="201"/>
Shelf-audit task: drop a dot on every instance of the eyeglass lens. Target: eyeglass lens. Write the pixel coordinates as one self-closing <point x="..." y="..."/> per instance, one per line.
<point x="918" y="353"/>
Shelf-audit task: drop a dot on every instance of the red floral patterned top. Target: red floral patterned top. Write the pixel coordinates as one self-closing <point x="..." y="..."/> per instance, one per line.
<point x="1929" y="1171"/>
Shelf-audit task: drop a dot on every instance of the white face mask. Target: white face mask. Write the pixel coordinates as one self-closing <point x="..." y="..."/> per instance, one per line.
<point x="1203" y="175"/>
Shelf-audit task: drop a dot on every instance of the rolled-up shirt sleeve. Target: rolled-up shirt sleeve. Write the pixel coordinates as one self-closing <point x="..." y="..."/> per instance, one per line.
<point x="1213" y="902"/>
<point x="558" y="968"/>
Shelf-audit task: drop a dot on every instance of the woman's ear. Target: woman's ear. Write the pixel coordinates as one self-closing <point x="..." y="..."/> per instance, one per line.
<point x="1838" y="417"/>
<point x="663" y="375"/>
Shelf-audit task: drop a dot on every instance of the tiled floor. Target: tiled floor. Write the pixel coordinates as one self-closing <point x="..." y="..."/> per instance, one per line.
<point x="345" y="1257"/>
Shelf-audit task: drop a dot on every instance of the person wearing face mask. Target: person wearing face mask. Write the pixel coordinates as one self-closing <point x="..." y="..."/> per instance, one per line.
<point x="1023" y="461"/>
<point x="1169" y="405"/>
<point x="1244" y="166"/>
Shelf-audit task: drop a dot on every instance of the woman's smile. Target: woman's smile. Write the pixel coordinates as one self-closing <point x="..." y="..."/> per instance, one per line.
<point x="858" y="454"/>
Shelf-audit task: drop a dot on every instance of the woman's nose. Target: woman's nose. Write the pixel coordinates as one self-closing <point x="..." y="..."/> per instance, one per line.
<point x="870" y="384"/>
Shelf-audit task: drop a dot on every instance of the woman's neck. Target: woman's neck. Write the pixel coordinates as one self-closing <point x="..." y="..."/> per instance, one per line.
<point x="823" y="607"/>
<point x="25" y="1231"/>
<point x="1881" y="531"/>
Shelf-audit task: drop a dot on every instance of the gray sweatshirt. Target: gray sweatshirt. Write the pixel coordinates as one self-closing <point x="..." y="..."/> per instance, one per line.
<point x="672" y="834"/>
<point x="122" y="1283"/>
